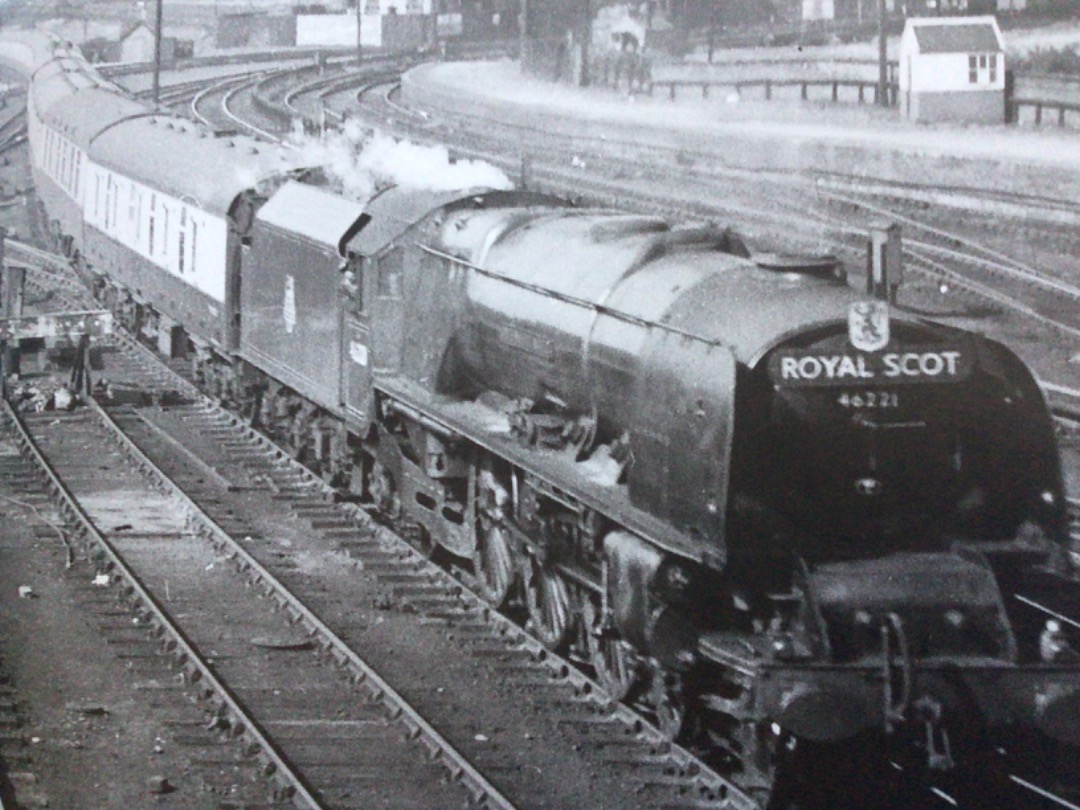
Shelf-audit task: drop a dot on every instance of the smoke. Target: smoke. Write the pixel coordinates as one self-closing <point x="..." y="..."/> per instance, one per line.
<point x="360" y="162"/>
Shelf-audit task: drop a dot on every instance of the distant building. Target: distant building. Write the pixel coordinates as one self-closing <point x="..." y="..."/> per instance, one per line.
<point x="256" y="30"/>
<point x="396" y="25"/>
<point x="137" y="44"/>
<point x="818" y="10"/>
<point x="952" y="69"/>
<point x="99" y="49"/>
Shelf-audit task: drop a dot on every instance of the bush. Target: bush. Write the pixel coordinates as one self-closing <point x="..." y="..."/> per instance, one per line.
<point x="1050" y="60"/>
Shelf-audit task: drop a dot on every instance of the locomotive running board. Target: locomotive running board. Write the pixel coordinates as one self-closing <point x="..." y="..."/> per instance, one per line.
<point x="491" y="430"/>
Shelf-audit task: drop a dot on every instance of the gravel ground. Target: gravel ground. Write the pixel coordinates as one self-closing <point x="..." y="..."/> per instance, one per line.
<point x="95" y="733"/>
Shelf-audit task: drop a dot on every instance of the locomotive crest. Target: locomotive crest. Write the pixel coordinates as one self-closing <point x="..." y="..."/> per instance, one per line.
<point x="868" y="325"/>
<point x="289" y="306"/>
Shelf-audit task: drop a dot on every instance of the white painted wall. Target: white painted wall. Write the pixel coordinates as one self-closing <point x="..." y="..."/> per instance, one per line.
<point x="138" y="47"/>
<point x="154" y="225"/>
<point x="818" y="10"/>
<point x="947" y="72"/>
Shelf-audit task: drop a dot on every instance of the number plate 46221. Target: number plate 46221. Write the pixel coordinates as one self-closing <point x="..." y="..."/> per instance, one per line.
<point x="869" y="399"/>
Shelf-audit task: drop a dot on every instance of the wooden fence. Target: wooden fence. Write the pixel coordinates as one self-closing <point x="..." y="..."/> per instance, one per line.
<point x="866" y="88"/>
<point x="1013" y="106"/>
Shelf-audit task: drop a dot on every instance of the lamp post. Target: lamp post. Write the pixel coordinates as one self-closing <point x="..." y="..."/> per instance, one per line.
<point x="157" y="51"/>
<point x="359" y="26"/>
<point x="523" y="33"/>
<point x="586" y="45"/>
<point x="883" y="58"/>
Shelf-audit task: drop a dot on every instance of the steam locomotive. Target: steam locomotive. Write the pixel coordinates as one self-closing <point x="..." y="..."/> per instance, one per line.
<point x="780" y="516"/>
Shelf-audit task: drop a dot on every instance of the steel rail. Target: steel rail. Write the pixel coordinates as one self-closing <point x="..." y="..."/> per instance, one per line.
<point x="1044" y="793"/>
<point x="1003" y="262"/>
<point x="704" y="777"/>
<point x="363" y="674"/>
<point x="934" y="269"/>
<point x="217" y="86"/>
<point x="299" y="612"/>
<point x="61" y="262"/>
<point x="258" y="131"/>
<point x="1039" y="606"/>
<point x="244" y="724"/>
<point x="996" y="265"/>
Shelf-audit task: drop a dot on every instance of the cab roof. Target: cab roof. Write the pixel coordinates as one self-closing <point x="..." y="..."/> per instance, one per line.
<point x="315" y="214"/>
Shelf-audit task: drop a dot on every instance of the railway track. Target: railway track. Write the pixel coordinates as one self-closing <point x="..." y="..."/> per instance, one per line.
<point x="699" y="790"/>
<point x="335" y="577"/>
<point x="627" y="170"/>
<point x="203" y="453"/>
<point x="256" y="652"/>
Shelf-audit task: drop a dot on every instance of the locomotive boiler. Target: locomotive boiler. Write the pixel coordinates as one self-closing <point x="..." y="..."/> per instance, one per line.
<point x="775" y="504"/>
<point x="777" y="515"/>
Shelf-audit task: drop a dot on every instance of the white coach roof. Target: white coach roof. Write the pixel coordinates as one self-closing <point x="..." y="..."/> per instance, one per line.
<point x="318" y="215"/>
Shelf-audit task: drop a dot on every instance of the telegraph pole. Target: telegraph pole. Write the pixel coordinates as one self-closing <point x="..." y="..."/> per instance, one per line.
<point x="157" y="51"/>
<point x="523" y="33"/>
<point x="359" y="26"/>
<point x="883" y="56"/>
<point x="586" y="45"/>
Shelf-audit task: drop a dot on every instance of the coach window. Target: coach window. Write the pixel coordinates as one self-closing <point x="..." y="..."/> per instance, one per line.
<point x="391" y="265"/>
<point x="165" y="232"/>
<point x="115" y="204"/>
<point x="138" y="216"/>
<point x="153" y="220"/>
<point x="180" y="247"/>
<point x="108" y="200"/>
<point x="194" y="242"/>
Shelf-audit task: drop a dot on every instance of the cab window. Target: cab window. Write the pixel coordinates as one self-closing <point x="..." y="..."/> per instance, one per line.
<point x="391" y="266"/>
<point x="352" y="285"/>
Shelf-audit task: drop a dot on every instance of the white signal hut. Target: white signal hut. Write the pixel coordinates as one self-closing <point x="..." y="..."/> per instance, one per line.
<point x="952" y="69"/>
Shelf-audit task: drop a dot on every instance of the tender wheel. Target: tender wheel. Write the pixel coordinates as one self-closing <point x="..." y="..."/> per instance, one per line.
<point x="548" y="601"/>
<point x="612" y="658"/>
<point x="493" y="563"/>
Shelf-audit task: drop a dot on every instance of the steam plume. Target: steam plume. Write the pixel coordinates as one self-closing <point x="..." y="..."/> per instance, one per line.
<point x="361" y="162"/>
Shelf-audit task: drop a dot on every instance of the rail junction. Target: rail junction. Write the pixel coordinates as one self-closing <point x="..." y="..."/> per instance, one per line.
<point x="209" y="488"/>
